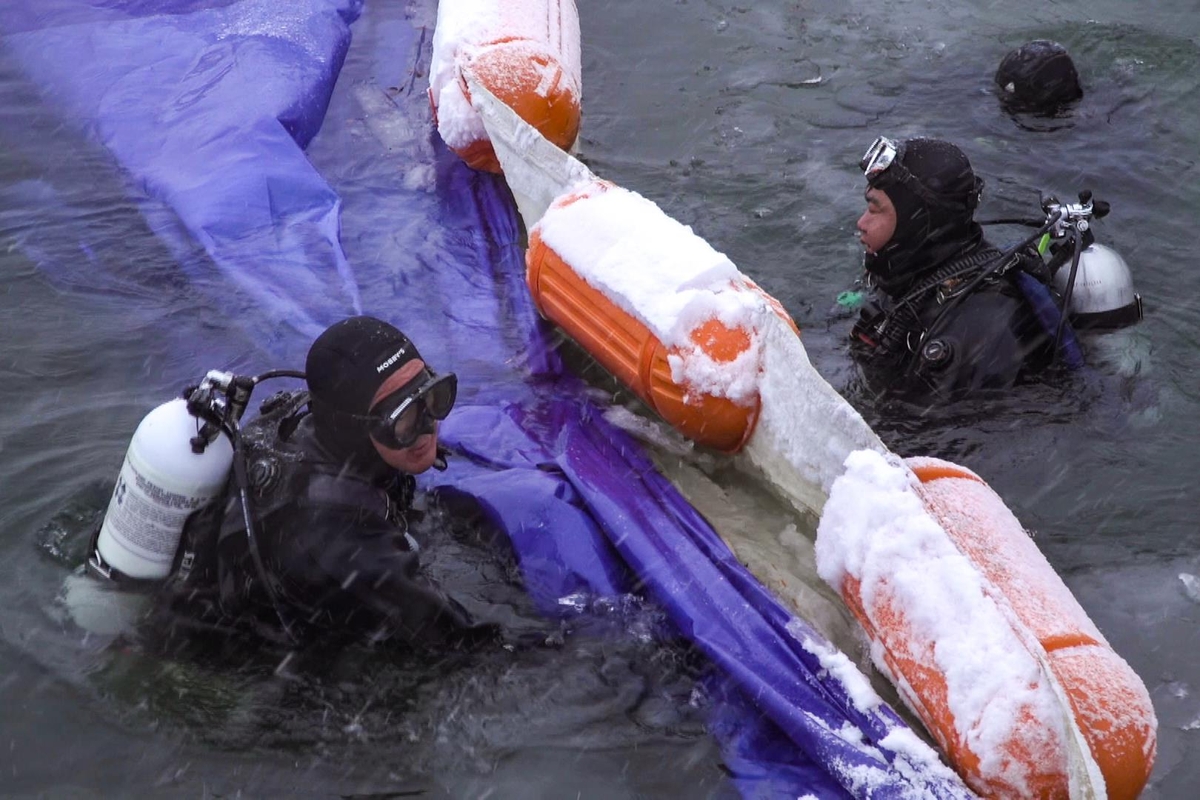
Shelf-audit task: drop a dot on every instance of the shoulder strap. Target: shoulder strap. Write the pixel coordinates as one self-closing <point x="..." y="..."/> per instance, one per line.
<point x="903" y="320"/>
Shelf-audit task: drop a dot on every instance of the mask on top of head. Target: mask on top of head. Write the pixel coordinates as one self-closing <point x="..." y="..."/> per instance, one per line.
<point x="346" y="365"/>
<point x="934" y="191"/>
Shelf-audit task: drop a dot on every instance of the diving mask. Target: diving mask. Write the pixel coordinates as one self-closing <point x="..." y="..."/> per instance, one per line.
<point x="879" y="157"/>
<point x="402" y="417"/>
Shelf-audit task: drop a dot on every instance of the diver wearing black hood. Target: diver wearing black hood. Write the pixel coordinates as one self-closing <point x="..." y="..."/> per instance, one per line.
<point x="946" y="317"/>
<point x="1038" y="78"/>
<point x="331" y="488"/>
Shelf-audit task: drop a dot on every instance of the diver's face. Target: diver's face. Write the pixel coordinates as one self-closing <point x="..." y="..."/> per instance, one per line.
<point x="420" y="455"/>
<point x="877" y="225"/>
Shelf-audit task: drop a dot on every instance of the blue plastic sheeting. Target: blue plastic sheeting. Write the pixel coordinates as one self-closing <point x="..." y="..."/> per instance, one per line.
<point x="208" y="107"/>
<point x="742" y="627"/>
<point x="167" y="87"/>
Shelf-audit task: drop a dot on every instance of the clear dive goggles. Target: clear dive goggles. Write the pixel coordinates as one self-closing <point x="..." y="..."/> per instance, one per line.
<point x="399" y="419"/>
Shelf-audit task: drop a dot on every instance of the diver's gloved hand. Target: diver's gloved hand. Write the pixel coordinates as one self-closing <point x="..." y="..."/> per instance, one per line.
<point x="439" y="461"/>
<point x="514" y="637"/>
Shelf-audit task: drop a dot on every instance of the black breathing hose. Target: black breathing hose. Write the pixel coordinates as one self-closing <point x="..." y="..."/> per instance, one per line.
<point x="277" y="373"/>
<point x="243" y="484"/>
<point x="1077" y="238"/>
<point x="1027" y="222"/>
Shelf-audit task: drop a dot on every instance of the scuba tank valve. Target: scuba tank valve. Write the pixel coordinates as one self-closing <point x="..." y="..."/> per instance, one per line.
<point x="1097" y="289"/>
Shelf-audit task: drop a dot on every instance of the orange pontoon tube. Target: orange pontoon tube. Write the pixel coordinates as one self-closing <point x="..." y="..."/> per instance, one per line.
<point x="1108" y="701"/>
<point x="525" y="52"/>
<point x="681" y="380"/>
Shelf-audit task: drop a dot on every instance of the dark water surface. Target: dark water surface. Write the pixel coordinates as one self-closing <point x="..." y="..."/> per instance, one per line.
<point x="745" y="121"/>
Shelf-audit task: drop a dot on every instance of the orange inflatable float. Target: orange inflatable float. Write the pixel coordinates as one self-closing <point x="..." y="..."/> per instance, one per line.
<point x="526" y="52"/>
<point x="1021" y="675"/>
<point x="670" y="317"/>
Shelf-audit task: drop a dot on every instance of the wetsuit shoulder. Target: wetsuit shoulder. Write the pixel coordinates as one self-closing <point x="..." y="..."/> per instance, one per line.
<point x="985" y="343"/>
<point x="340" y="549"/>
<point x="358" y="572"/>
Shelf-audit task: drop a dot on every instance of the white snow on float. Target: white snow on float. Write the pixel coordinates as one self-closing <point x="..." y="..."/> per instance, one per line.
<point x="611" y="237"/>
<point x="529" y="51"/>
<point x="876" y="529"/>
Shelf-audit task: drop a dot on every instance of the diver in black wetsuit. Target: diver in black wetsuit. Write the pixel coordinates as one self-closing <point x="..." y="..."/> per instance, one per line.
<point x="331" y="489"/>
<point x="945" y="316"/>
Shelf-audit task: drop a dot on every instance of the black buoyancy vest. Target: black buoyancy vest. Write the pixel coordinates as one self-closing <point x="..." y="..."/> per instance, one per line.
<point x="285" y="465"/>
<point x="894" y="328"/>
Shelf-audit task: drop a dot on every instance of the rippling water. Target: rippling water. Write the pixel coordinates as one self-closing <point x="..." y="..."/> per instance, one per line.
<point x="745" y="121"/>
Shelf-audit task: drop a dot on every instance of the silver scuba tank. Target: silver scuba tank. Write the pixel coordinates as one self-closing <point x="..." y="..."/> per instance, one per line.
<point x="1103" y="294"/>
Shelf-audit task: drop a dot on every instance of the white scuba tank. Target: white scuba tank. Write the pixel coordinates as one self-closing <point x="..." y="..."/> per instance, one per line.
<point x="161" y="483"/>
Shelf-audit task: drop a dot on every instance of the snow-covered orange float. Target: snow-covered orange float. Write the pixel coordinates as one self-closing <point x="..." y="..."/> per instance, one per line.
<point x="526" y="52"/>
<point x="667" y="314"/>
<point x="980" y="635"/>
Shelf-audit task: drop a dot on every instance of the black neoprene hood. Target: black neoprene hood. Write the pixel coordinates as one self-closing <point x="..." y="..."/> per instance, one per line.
<point x="1038" y="77"/>
<point x="933" y="219"/>
<point x="350" y="361"/>
<point x="346" y="365"/>
<point x="945" y="199"/>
